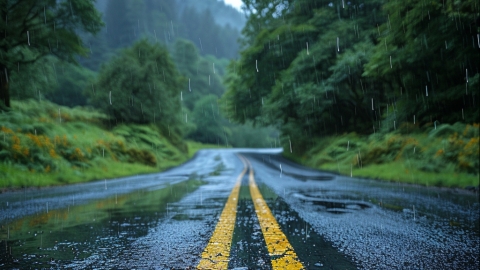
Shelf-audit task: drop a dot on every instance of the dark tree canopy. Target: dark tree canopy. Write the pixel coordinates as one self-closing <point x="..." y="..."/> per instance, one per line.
<point x="141" y="86"/>
<point x="315" y="68"/>
<point x="32" y="29"/>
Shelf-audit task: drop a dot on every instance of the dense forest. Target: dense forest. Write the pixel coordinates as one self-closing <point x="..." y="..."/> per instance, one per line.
<point x="171" y="56"/>
<point x="317" y="68"/>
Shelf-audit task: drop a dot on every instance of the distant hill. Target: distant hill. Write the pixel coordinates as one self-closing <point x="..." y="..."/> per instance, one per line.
<point x="211" y="25"/>
<point x="223" y="14"/>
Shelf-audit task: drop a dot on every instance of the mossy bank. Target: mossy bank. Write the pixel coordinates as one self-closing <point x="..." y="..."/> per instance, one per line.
<point x="443" y="155"/>
<point x="44" y="144"/>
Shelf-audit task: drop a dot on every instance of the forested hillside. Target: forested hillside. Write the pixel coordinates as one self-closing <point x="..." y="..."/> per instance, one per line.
<point x="145" y="66"/>
<point x="318" y="69"/>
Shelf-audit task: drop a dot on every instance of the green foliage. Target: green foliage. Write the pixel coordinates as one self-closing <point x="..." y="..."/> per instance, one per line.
<point x="42" y="143"/>
<point x="302" y="69"/>
<point x="166" y="21"/>
<point x="35" y="80"/>
<point x="212" y="128"/>
<point x="73" y="80"/>
<point x="415" y="63"/>
<point x="29" y="36"/>
<point x="210" y="37"/>
<point x="201" y="76"/>
<point x="141" y="86"/>
<point x="314" y="69"/>
<point x="448" y="156"/>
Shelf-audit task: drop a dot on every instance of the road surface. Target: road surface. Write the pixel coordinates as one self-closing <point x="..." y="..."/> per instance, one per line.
<point x="240" y="209"/>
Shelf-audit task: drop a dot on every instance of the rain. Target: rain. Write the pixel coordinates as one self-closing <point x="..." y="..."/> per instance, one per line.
<point x="356" y="147"/>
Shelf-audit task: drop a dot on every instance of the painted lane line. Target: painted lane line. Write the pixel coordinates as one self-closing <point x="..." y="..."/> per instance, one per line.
<point x="216" y="254"/>
<point x="281" y="251"/>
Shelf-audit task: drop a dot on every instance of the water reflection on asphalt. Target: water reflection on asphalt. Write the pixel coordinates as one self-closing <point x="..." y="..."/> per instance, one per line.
<point x="92" y="233"/>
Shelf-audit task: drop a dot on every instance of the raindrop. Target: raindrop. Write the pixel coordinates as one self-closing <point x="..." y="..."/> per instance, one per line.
<point x="348" y="145"/>
<point x="290" y="145"/>
<point x="372" y="105"/>
<point x="6" y="74"/>
<point x="426" y="90"/>
<point x="256" y="64"/>
<point x="391" y="61"/>
<point x="189" y="88"/>
<point x="181" y="96"/>
<point x="110" y="96"/>
<point x="466" y="84"/>
<point x="338" y="44"/>
<point x="307" y="49"/>
<point x="414" y="119"/>
<point x="105" y="183"/>
<point x="28" y="38"/>
<point x="213" y="68"/>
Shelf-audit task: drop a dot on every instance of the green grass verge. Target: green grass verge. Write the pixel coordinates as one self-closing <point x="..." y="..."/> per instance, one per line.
<point x="44" y="144"/>
<point x="447" y="156"/>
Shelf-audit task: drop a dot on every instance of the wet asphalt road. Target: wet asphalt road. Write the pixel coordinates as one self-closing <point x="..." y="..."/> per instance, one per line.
<point x="165" y="220"/>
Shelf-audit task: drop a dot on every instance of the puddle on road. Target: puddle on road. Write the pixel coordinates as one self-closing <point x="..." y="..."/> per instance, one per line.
<point x="99" y="230"/>
<point x="248" y="245"/>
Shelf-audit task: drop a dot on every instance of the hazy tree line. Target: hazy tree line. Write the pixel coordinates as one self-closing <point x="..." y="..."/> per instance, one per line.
<point x="315" y="68"/>
<point x="141" y="61"/>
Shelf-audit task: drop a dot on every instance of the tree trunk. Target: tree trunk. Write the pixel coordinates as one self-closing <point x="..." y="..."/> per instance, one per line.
<point x="4" y="92"/>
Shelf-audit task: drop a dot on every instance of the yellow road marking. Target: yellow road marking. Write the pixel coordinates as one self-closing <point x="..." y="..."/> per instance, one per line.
<point x="216" y="253"/>
<point x="284" y="257"/>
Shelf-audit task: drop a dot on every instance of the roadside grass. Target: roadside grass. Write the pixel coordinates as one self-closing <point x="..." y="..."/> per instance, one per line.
<point x="447" y="156"/>
<point x="44" y="144"/>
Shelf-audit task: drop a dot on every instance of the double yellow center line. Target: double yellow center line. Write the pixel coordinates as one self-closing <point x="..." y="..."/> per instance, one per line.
<point x="217" y="252"/>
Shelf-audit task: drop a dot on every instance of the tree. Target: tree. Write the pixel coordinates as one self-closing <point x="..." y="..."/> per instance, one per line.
<point x="212" y="126"/>
<point x="201" y="76"/>
<point x="427" y="56"/>
<point x="141" y="86"/>
<point x="301" y="69"/>
<point x="72" y="81"/>
<point x="33" y="29"/>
